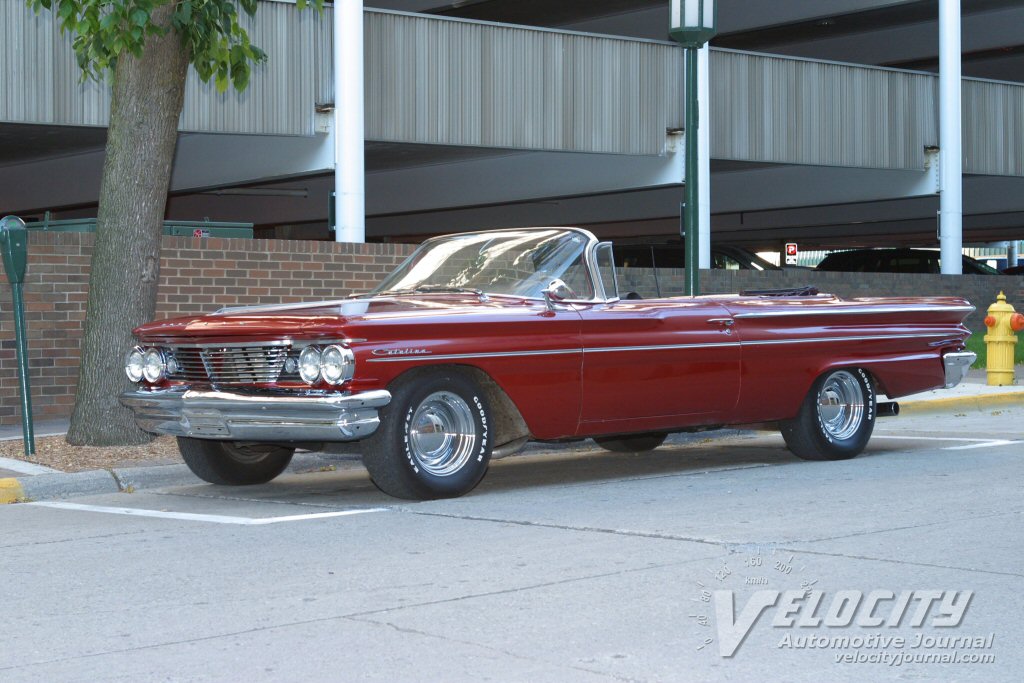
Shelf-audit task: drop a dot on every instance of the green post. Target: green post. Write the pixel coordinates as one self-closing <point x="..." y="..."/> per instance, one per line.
<point x="691" y="216"/>
<point x="692" y="23"/>
<point x="14" y="249"/>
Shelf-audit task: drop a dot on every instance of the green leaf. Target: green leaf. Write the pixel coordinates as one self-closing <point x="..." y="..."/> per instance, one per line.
<point x="67" y="8"/>
<point x="218" y="46"/>
<point x="240" y="76"/>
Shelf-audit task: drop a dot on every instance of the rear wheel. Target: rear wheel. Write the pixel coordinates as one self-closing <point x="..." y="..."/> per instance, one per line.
<point x="836" y="418"/>
<point x="633" y="443"/>
<point x="434" y="439"/>
<point x="234" y="464"/>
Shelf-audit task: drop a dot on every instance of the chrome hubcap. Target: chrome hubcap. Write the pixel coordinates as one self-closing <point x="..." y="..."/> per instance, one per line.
<point x="442" y="435"/>
<point x="841" y="405"/>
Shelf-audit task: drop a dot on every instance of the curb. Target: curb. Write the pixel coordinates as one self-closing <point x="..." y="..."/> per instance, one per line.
<point x="985" y="402"/>
<point x="123" y="480"/>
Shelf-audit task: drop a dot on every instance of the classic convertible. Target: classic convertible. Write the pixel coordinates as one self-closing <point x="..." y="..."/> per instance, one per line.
<point x="480" y="342"/>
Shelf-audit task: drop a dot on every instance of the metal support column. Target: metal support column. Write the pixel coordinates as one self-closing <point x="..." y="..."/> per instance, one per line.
<point x="704" y="157"/>
<point x="349" y="153"/>
<point x="950" y="139"/>
<point x="691" y="216"/>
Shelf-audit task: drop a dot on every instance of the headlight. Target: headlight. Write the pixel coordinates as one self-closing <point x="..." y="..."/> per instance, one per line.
<point x="154" y="367"/>
<point x="337" y="364"/>
<point x="133" y="363"/>
<point x="309" y="364"/>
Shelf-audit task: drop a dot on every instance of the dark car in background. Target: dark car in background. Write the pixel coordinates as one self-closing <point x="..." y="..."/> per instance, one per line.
<point x="901" y="260"/>
<point x="673" y="255"/>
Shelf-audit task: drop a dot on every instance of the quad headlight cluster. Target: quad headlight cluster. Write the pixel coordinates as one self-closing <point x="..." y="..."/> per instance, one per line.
<point x="334" y="364"/>
<point x="150" y="364"/>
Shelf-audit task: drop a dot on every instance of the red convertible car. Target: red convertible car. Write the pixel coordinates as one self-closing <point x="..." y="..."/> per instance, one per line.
<point x="480" y="342"/>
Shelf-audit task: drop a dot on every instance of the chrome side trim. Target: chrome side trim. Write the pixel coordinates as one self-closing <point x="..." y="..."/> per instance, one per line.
<point x="249" y="417"/>
<point x="660" y="347"/>
<point x="857" y="311"/>
<point x="462" y="356"/>
<point x="867" y="337"/>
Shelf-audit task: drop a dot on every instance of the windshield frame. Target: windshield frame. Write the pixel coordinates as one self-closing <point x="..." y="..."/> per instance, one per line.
<point x="589" y="263"/>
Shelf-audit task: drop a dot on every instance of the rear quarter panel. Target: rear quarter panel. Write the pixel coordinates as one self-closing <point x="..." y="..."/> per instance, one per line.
<point x="787" y="344"/>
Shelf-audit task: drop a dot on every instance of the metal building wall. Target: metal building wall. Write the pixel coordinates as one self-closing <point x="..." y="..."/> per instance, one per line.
<point x="797" y="111"/>
<point x="993" y="125"/>
<point x="42" y="84"/>
<point x="435" y="80"/>
<point x="442" y="81"/>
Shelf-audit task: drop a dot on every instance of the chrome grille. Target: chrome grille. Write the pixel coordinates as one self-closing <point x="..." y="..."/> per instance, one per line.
<point x="230" y="364"/>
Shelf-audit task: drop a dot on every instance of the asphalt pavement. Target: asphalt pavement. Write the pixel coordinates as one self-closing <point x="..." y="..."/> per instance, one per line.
<point x="570" y="565"/>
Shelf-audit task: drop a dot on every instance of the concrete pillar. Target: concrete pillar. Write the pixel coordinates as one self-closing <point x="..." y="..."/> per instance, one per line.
<point x="1012" y="254"/>
<point x="950" y="140"/>
<point x="349" y="166"/>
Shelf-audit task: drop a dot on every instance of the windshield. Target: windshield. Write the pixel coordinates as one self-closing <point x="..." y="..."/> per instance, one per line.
<point x="520" y="263"/>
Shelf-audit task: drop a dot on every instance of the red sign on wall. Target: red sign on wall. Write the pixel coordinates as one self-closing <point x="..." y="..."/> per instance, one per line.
<point x="791" y="253"/>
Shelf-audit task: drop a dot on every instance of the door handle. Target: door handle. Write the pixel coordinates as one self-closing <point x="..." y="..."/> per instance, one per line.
<point x="728" y="322"/>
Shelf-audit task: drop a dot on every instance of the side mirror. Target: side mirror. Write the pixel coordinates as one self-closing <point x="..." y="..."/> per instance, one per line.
<point x="556" y="292"/>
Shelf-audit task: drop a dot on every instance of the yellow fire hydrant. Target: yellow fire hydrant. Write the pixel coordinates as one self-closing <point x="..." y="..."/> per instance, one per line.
<point x="1001" y="322"/>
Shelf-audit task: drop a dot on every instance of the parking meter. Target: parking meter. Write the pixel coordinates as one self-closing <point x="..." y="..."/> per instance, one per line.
<point x="14" y="252"/>
<point x="14" y="246"/>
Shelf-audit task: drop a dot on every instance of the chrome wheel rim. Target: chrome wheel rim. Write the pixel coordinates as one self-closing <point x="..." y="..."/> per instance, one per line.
<point x="442" y="434"/>
<point x="841" y="405"/>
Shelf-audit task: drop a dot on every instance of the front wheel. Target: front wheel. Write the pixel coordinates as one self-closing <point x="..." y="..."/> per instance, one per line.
<point x="836" y="418"/>
<point x="234" y="464"/>
<point x="434" y="439"/>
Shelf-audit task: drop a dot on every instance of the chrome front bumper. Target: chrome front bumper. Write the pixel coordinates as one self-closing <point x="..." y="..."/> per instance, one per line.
<point x="248" y="417"/>
<point x="957" y="364"/>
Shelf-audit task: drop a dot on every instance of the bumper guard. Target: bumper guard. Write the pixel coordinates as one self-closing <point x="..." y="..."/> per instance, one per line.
<point x="957" y="364"/>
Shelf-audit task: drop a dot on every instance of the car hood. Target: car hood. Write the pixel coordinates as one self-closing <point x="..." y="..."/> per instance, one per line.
<point x="330" y="318"/>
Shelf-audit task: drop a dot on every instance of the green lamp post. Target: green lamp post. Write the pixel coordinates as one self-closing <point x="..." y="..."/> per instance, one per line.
<point x="692" y="24"/>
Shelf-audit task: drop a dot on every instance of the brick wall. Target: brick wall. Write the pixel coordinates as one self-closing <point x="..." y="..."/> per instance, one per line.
<point x="201" y="275"/>
<point x="196" y="276"/>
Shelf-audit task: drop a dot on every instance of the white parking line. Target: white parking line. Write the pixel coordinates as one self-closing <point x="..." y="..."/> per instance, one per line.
<point x="971" y="443"/>
<point x="194" y="517"/>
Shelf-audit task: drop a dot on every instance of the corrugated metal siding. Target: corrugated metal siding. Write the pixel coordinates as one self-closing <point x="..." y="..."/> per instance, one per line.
<point x="42" y="83"/>
<point x="784" y="110"/>
<point x="993" y="125"/>
<point x="432" y="80"/>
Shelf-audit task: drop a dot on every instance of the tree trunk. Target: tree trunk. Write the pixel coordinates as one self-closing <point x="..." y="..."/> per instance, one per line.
<point x="147" y="100"/>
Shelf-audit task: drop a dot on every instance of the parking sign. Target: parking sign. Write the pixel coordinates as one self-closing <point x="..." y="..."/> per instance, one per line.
<point x="791" y="253"/>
